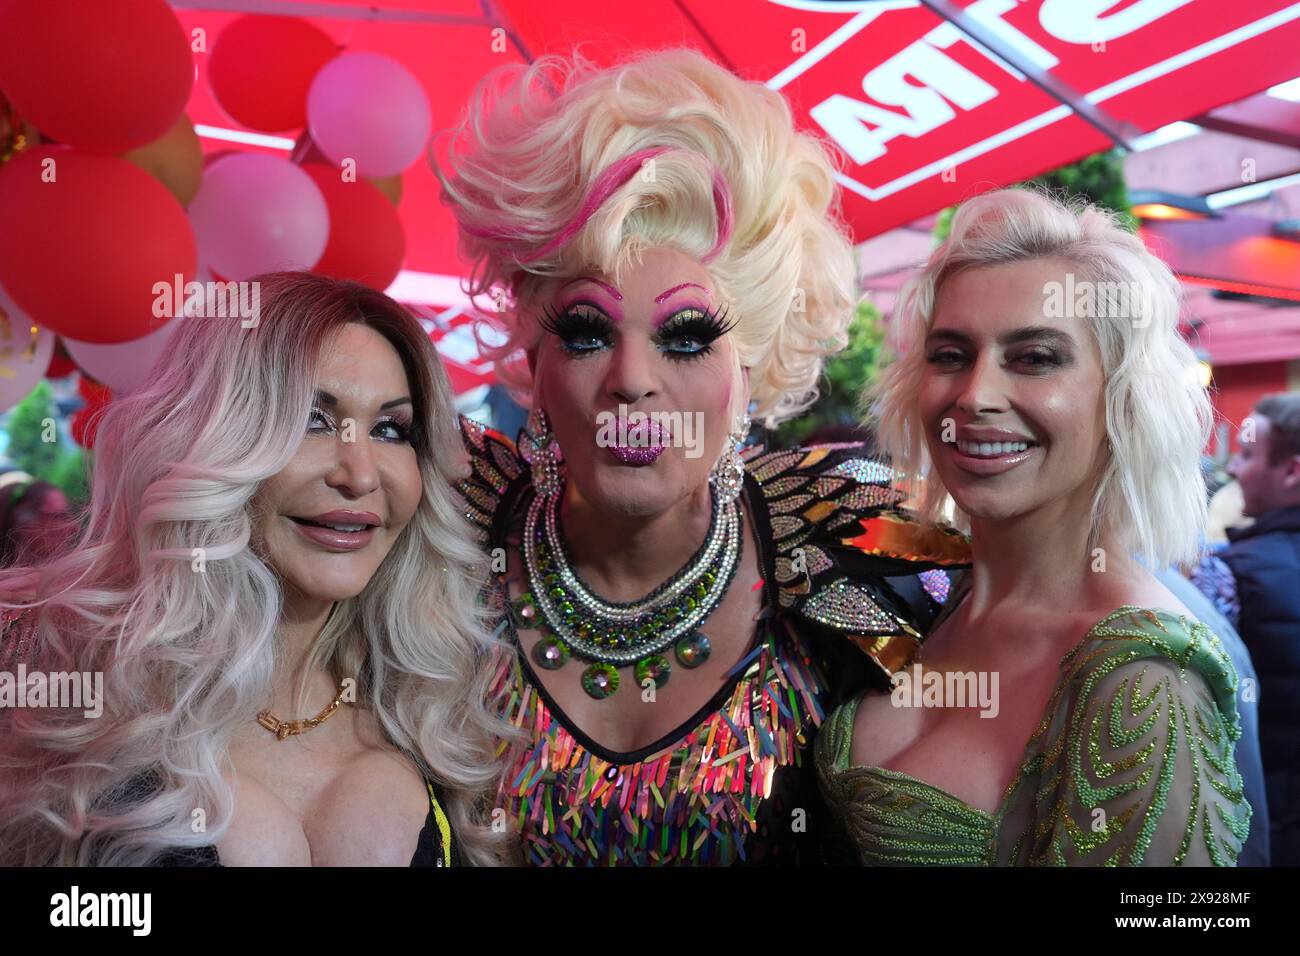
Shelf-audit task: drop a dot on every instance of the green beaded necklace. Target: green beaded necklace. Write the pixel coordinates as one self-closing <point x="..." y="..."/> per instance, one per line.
<point x="609" y="635"/>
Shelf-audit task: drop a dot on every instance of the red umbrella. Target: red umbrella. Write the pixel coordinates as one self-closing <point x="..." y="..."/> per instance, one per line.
<point x="932" y="101"/>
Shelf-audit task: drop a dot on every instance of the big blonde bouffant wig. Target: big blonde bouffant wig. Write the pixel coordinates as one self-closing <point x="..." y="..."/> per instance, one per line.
<point x="166" y="595"/>
<point x="560" y="169"/>
<point x="1150" y="499"/>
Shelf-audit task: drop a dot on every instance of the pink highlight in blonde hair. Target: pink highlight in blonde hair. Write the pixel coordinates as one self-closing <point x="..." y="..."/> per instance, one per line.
<point x="726" y="218"/>
<point x="610" y="180"/>
<point x="744" y="192"/>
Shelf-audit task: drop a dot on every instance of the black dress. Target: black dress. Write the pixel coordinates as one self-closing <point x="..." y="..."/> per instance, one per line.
<point x="437" y="845"/>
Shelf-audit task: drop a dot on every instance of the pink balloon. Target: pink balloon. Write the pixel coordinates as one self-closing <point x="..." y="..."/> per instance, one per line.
<point x="369" y="109"/>
<point x="125" y="365"/>
<point x="24" y="356"/>
<point x="256" y="213"/>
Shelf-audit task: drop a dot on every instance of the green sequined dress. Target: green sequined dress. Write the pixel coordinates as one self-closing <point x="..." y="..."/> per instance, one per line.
<point x="1131" y="765"/>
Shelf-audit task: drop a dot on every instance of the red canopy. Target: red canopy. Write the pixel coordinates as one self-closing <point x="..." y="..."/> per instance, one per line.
<point x="931" y="100"/>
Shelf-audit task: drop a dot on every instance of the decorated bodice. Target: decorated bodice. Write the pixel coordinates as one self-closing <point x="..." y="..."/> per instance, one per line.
<point x="734" y="783"/>
<point x="1131" y="764"/>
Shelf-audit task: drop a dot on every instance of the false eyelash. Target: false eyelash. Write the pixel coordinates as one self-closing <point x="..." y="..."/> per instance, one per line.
<point x="570" y="323"/>
<point x="405" y="429"/>
<point x="708" y="329"/>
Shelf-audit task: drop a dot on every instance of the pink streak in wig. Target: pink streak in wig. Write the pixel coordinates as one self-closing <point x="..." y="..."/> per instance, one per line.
<point x="722" y="202"/>
<point x="611" y="179"/>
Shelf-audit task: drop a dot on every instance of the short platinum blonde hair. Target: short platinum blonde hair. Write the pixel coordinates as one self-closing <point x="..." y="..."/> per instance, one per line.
<point x="1150" y="499"/>
<point x="560" y="169"/>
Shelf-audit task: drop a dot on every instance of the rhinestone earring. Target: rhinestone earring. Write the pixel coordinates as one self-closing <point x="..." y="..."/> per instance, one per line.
<point x="538" y="447"/>
<point x="728" y="475"/>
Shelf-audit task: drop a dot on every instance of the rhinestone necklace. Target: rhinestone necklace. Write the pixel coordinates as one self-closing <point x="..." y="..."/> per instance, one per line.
<point x="610" y="634"/>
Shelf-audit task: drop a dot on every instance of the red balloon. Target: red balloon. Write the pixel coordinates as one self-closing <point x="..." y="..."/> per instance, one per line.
<point x="60" y="363"/>
<point x="105" y="77"/>
<point x="84" y="251"/>
<point x="366" y="241"/>
<point x="306" y="151"/>
<point x="262" y="67"/>
<point x="85" y="421"/>
<point x="212" y="157"/>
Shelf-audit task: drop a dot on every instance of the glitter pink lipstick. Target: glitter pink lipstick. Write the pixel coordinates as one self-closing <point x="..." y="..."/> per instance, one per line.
<point x="639" y="443"/>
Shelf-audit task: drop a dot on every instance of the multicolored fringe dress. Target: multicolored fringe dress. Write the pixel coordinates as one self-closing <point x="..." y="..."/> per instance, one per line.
<point x="848" y="584"/>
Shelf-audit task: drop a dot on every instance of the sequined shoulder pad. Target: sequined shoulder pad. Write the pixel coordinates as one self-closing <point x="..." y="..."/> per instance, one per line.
<point x="820" y="501"/>
<point x="494" y="466"/>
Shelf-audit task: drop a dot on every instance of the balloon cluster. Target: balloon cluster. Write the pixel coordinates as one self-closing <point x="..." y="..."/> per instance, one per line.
<point x="105" y="192"/>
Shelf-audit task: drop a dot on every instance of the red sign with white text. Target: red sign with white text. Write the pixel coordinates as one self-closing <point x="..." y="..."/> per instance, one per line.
<point x="927" y="116"/>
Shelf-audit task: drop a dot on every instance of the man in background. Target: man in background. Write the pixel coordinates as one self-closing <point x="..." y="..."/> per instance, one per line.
<point x="1265" y="563"/>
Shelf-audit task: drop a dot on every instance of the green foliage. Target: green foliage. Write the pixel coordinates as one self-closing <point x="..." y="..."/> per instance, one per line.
<point x="845" y="377"/>
<point x="943" y="225"/>
<point x="51" y="461"/>
<point x="1098" y="178"/>
<point x="70" y="475"/>
<point x="27" y="428"/>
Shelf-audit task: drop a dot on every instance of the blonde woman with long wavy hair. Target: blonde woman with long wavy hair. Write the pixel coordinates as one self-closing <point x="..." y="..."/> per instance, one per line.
<point x="277" y="585"/>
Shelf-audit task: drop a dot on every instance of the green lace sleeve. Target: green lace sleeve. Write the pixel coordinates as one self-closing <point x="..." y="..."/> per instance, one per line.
<point x="1136" y="765"/>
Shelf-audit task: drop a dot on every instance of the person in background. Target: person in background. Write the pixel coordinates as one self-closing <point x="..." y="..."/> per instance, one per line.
<point x="1265" y="563"/>
<point x="31" y="515"/>
<point x="1225" y="513"/>
<point x="1255" y="850"/>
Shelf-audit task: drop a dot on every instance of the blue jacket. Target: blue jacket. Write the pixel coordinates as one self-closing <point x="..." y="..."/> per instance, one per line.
<point x="1255" y="852"/>
<point x="1265" y="560"/>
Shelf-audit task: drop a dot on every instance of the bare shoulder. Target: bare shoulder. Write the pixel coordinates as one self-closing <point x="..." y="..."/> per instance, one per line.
<point x="1137" y="589"/>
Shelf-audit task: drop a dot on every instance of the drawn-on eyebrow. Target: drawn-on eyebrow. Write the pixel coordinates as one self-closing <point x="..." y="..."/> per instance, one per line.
<point x="678" y="288"/>
<point x="325" y="398"/>
<point x="617" y="296"/>
<point x="1016" y="336"/>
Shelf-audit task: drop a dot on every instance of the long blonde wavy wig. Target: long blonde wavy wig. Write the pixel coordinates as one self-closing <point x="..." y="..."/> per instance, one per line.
<point x="559" y="169"/>
<point x="188" y="658"/>
<point x="1150" y="499"/>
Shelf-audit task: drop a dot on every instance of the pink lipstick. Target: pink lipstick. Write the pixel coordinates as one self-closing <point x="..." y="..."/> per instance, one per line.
<point x="639" y="443"/>
<point x="339" y="530"/>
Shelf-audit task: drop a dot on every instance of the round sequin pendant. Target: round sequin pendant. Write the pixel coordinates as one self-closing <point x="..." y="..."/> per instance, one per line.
<point x="655" y="667"/>
<point x="551" y="653"/>
<point x="525" y="610"/>
<point x="693" y="649"/>
<point x="600" y="680"/>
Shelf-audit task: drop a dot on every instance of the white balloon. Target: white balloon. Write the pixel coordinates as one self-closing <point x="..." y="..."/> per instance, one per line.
<point x="124" y="365"/>
<point x="25" y="350"/>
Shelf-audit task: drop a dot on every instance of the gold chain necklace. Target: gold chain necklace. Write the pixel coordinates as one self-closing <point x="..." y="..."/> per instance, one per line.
<point x="287" y="728"/>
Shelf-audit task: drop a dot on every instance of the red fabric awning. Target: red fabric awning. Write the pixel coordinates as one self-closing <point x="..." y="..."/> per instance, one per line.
<point x="927" y="114"/>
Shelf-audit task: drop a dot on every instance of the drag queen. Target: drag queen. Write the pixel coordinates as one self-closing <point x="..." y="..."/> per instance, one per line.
<point x="663" y="250"/>
<point x="1045" y="388"/>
